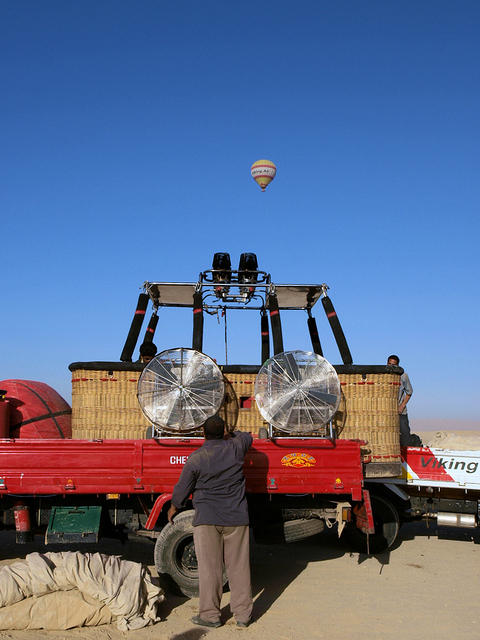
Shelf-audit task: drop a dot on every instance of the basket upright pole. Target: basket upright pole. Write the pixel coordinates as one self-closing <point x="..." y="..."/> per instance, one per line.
<point x="135" y="328"/>
<point x="314" y="337"/>
<point x="152" y="325"/>
<point x="337" y="330"/>
<point x="197" y="340"/>
<point x="276" y="323"/>
<point x="265" y="333"/>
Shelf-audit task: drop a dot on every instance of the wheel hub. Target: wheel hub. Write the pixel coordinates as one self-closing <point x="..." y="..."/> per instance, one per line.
<point x="189" y="558"/>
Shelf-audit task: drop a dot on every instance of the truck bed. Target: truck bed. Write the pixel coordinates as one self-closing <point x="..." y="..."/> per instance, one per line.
<point x="290" y="465"/>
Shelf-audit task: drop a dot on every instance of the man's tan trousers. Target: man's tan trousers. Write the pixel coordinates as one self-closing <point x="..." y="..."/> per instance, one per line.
<point x="214" y="546"/>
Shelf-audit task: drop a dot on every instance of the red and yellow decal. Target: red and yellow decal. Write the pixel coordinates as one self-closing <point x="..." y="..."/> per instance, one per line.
<point x="298" y="460"/>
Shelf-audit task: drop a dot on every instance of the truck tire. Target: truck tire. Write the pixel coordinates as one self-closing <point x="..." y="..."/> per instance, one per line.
<point x="288" y="531"/>
<point x="387" y="526"/>
<point x="175" y="558"/>
<point x="294" y="530"/>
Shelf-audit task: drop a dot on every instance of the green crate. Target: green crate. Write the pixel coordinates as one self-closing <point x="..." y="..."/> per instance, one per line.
<point x="73" y="524"/>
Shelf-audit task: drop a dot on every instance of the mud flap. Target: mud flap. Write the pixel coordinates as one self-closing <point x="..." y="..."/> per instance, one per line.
<point x="364" y="514"/>
<point x="364" y="517"/>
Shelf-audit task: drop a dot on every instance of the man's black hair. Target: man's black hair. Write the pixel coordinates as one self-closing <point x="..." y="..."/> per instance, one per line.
<point x="394" y="357"/>
<point x="148" y="349"/>
<point x="214" y="428"/>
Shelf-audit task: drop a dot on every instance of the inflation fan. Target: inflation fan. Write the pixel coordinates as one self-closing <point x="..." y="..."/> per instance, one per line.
<point x="297" y="391"/>
<point x="180" y="388"/>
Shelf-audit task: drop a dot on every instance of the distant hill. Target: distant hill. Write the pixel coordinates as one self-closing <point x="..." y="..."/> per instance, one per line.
<point x="443" y="424"/>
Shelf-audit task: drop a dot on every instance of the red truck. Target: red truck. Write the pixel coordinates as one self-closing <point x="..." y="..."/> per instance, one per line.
<point x="304" y="470"/>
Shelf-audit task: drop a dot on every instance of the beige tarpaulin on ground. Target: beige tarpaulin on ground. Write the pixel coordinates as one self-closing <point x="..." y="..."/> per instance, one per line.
<point x="69" y="589"/>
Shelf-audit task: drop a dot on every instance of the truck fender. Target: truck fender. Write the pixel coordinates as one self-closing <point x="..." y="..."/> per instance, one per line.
<point x="157" y="510"/>
<point x="400" y="493"/>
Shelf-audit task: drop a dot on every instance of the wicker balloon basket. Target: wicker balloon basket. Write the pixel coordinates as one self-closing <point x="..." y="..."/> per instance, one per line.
<point x="105" y="405"/>
<point x="104" y="401"/>
<point x="369" y="411"/>
<point x="249" y="417"/>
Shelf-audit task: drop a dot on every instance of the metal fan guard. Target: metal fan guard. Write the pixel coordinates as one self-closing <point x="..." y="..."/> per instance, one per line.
<point x="180" y="389"/>
<point x="297" y="391"/>
<point x="228" y="411"/>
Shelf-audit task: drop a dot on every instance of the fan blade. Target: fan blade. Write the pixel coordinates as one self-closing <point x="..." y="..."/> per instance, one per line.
<point x="323" y="396"/>
<point x="292" y="367"/>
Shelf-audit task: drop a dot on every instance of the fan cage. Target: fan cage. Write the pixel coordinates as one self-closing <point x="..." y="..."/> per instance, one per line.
<point x="298" y="392"/>
<point x="228" y="411"/>
<point x="180" y="389"/>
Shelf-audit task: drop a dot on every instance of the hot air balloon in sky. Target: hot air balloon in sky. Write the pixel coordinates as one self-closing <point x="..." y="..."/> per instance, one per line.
<point x="263" y="172"/>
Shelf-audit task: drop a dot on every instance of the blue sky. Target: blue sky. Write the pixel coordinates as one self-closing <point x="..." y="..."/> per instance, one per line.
<point x="128" y="131"/>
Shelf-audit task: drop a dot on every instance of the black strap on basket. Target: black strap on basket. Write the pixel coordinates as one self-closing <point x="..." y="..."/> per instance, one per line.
<point x="337" y="330"/>
<point x="135" y="327"/>
<point x="152" y="325"/>
<point x="276" y="324"/>
<point x="314" y="337"/>
<point x="265" y="333"/>
<point x="197" y="340"/>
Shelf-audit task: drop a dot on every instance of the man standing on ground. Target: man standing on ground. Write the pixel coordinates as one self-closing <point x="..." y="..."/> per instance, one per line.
<point x="214" y="475"/>
<point x="404" y="394"/>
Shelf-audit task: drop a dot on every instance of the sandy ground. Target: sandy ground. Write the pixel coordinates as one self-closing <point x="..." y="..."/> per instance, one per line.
<point x="455" y="440"/>
<point x="425" y="587"/>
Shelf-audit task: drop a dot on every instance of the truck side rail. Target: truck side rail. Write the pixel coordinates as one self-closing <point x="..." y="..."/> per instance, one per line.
<point x="44" y="467"/>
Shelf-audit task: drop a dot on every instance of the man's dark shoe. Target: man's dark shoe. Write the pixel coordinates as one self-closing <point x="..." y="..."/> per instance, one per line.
<point x="243" y="625"/>
<point x="206" y="623"/>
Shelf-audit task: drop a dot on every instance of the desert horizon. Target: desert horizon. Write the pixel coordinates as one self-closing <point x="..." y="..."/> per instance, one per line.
<point x="443" y="424"/>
